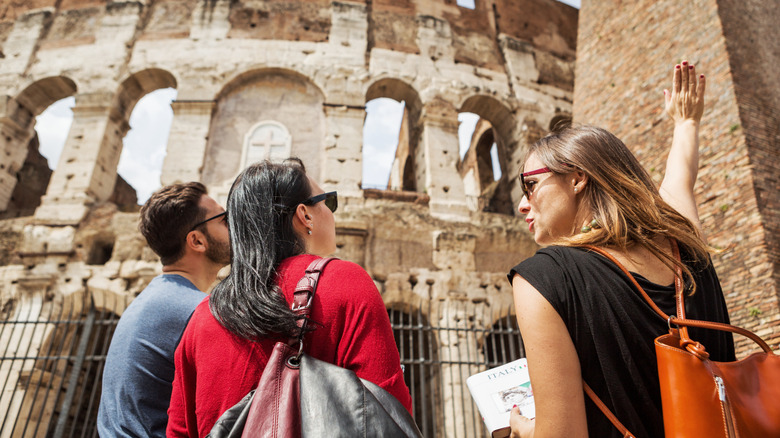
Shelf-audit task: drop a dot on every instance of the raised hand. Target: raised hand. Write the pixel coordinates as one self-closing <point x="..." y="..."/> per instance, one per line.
<point x="684" y="105"/>
<point x="686" y="99"/>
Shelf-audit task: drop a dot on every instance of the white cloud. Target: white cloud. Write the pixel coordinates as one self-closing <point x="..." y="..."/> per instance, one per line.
<point x="52" y="126"/>
<point x="468" y="122"/>
<point x="145" y="144"/>
<point x="574" y="3"/>
<point x="380" y="140"/>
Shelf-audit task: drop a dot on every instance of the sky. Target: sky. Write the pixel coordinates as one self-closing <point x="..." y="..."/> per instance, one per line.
<point x="140" y="163"/>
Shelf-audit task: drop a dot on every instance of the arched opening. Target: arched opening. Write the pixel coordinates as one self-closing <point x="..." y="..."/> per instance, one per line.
<point x="382" y="137"/>
<point x="52" y="127"/>
<point x="143" y="149"/>
<point x="390" y="137"/>
<point x="282" y="104"/>
<point x="41" y="116"/>
<point x="484" y="132"/>
<point x="418" y="349"/>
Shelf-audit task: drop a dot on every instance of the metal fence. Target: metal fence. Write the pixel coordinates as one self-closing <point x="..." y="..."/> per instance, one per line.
<point x="441" y="345"/>
<point x="53" y="349"/>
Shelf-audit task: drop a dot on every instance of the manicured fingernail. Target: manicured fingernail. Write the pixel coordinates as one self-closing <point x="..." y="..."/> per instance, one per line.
<point x="685" y="62"/>
<point x="514" y="406"/>
<point x="690" y="66"/>
<point x="677" y="66"/>
<point x="701" y="76"/>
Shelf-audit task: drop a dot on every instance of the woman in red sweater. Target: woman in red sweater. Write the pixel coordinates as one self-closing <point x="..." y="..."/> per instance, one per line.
<point x="280" y="221"/>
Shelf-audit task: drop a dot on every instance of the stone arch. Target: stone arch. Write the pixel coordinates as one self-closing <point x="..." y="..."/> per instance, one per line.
<point x="252" y="75"/>
<point x="138" y="85"/>
<point x="20" y="193"/>
<point x="105" y="178"/>
<point x="37" y="96"/>
<point x="404" y="174"/>
<point x="275" y="95"/>
<point x="495" y="128"/>
<point x="494" y="111"/>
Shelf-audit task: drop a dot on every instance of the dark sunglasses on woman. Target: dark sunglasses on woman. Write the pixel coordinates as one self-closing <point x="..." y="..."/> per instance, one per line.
<point x="331" y="200"/>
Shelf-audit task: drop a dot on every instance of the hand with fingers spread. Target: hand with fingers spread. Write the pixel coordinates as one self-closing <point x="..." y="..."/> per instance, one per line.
<point x="686" y="99"/>
<point x="684" y="105"/>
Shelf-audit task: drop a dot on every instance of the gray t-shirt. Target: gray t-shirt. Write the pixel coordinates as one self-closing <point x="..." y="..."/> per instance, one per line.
<point x="138" y="375"/>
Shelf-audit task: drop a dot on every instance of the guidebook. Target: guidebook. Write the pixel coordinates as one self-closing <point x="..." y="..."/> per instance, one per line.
<point x="497" y="390"/>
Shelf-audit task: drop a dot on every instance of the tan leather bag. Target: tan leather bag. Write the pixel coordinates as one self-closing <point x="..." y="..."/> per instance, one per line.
<point x="705" y="398"/>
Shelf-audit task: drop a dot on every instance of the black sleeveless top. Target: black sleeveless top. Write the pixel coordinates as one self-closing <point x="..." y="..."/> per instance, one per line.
<point x="613" y="329"/>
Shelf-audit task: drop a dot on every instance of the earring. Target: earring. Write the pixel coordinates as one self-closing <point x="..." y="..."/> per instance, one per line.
<point x="576" y="190"/>
<point x="309" y="232"/>
<point x="593" y="224"/>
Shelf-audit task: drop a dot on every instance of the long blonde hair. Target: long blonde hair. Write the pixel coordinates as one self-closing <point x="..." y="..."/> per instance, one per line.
<point x="620" y="195"/>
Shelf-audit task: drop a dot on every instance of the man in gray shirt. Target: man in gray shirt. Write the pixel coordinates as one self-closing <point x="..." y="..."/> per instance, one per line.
<point x="188" y="230"/>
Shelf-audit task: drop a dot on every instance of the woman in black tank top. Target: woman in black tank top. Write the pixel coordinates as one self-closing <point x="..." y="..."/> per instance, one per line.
<point x="578" y="314"/>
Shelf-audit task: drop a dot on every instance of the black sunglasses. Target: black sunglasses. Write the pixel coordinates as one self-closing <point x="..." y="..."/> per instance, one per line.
<point x="206" y="220"/>
<point x="331" y="200"/>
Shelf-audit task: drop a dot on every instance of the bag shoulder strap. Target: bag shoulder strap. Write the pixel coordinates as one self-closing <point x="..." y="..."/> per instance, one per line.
<point x="304" y="293"/>
<point x="677" y="281"/>
<point x="607" y="413"/>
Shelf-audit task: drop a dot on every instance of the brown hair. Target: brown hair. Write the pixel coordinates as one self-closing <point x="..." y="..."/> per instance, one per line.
<point x="168" y="216"/>
<point x="620" y="195"/>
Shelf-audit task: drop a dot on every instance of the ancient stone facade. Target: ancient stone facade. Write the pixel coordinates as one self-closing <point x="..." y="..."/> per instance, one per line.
<point x="625" y="53"/>
<point x="259" y="79"/>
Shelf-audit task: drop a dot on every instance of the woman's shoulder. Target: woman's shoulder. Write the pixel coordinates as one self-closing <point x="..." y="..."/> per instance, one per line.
<point x="556" y="254"/>
<point x="302" y="261"/>
<point x="553" y="262"/>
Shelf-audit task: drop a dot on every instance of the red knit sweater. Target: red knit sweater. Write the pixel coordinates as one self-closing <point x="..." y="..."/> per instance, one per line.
<point x="215" y="369"/>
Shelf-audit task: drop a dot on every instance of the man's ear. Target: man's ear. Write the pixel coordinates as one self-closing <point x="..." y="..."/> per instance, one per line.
<point x="196" y="241"/>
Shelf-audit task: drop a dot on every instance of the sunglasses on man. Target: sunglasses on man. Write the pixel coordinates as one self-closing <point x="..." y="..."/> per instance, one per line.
<point x="331" y="200"/>
<point x="207" y="220"/>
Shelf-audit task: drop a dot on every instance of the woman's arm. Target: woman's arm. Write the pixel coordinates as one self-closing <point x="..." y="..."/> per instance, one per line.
<point x="554" y="368"/>
<point x="685" y="105"/>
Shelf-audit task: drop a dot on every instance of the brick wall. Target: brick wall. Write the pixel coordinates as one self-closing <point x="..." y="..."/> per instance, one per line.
<point x="626" y="51"/>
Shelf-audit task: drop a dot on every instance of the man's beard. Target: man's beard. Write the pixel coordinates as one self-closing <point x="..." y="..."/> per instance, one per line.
<point x="218" y="252"/>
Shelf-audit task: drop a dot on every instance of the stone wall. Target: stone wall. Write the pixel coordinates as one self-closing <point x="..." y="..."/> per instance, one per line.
<point x="626" y="52"/>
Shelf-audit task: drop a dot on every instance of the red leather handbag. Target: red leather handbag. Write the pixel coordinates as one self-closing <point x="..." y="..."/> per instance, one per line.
<point x="701" y="397"/>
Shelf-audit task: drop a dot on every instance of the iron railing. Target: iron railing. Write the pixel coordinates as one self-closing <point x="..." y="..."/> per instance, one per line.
<point x="441" y="344"/>
<point x="53" y="349"/>
<point x="52" y="354"/>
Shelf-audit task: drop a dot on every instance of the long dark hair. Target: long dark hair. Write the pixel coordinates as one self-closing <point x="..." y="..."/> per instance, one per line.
<point x="260" y="209"/>
<point x="620" y="195"/>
